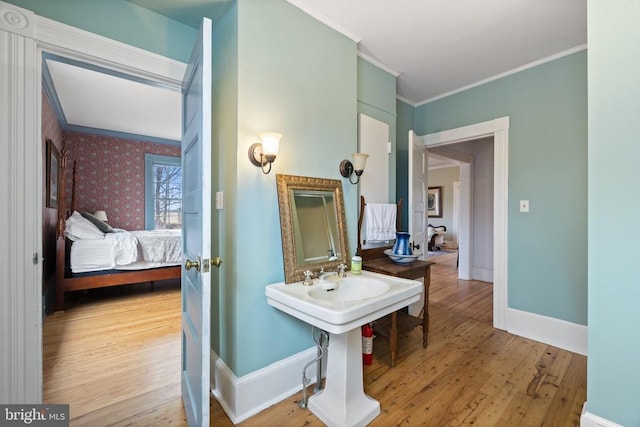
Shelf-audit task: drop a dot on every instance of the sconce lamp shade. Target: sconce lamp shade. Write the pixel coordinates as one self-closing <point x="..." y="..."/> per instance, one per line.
<point x="359" y="160"/>
<point x="348" y="169"/>
<point x="270" y="143"/>
<point x="264" y="153"/>
<point x="101" y="215"/>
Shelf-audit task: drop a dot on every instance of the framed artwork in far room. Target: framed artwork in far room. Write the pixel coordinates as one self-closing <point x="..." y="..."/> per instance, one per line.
<point x="53" y="163"/>
<point x="434" y="202"/>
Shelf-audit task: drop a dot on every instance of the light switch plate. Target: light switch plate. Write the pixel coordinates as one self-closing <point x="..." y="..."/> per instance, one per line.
<point x="524" y="206"/>
<point x="219" y="203"/>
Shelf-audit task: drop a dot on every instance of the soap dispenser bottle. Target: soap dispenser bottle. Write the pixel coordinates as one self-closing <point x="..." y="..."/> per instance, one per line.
<point x="356" y="264"/>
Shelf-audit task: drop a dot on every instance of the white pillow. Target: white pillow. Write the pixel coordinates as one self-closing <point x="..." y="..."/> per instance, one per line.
<point x="78" y="227"/>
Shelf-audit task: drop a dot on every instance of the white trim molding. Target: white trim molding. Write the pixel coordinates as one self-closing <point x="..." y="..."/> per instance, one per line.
<point x="591" y="420"/>
<point x="499" y="129"/>
<point x="246" y="396"/>
<point x="556" y="332"/>
<point x="524" y="67"/>
<point x="71" y="42"/>
<point x="21" y="210"/>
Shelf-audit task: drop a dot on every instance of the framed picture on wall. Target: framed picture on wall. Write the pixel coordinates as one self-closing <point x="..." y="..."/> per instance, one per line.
<point x="434" y="202"/>
<point x="53" y="162"/>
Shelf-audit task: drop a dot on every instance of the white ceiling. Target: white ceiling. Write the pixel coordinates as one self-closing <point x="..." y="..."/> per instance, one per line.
<point x="434" y="47"/>
<point x="93" y="100"/>
<point x="436" y="161"/>
<point x="438" y="47"/>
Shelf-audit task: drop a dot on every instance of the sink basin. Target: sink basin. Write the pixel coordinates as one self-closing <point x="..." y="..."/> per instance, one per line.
<point x="348" y="289"/>
<point x="339" y="306"/>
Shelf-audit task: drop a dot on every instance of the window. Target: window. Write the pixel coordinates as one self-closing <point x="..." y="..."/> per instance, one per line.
<point x="163" y="192"/>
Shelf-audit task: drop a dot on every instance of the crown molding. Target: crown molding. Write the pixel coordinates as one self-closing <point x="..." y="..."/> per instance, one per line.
<point x="325" y="20"/>
<point x="378" y="64"/>
<point x="507" y="73"/>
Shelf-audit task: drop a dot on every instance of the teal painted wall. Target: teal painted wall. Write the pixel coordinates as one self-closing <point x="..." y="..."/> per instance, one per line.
<point x="377" y="99"/>
<point x="547" y="106"/>
<point x="405" y="121"/>
<point x="376" y="88"/>
<point x="224" y="140"/>
<point x="122" y="21"/>
<point x="299" y="78"/>
<point x="613" y="372"/>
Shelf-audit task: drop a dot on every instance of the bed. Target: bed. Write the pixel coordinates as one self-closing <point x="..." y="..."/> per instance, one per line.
<point x="89" y="259"/>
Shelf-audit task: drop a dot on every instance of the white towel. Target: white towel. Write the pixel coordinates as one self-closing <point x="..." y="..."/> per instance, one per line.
<point x="380" y="222"/>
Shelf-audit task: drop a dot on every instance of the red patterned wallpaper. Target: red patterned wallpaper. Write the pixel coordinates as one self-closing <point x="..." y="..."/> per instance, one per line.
<point x="111" y="175"/>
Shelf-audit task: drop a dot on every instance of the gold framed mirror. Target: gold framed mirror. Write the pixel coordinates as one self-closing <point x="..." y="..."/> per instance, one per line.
<point x="312" y="224"/>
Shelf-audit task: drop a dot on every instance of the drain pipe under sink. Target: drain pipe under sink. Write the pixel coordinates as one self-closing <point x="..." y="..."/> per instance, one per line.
<point x="322" y="342"/>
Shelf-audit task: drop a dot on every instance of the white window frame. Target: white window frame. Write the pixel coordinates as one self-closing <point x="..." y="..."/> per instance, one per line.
<point x="151" y="160"/>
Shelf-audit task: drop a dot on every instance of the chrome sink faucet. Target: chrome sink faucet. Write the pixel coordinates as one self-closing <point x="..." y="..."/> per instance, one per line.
<point x="308" y="281"/>
<point x="322" y="275"/>
<point x="341" y="271"/>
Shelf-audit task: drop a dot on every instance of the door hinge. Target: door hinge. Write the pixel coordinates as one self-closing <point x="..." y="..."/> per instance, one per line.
<point x="35" y="258"/>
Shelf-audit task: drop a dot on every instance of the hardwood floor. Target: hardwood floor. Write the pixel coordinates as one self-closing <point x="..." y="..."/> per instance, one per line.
<point x="117" y="363"/>
<point x="115" y="358"/>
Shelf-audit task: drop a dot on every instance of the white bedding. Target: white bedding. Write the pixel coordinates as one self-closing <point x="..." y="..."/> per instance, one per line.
<point x="126" y="250"/>
<point x="159" y="245"/>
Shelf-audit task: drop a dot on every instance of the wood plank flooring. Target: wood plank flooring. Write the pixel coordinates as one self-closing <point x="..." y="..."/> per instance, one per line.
<point x="117" y="362"/>
<point x="115" y="357"/>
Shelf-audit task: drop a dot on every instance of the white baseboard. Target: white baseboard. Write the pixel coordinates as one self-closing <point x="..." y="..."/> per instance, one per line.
<point x="590" y="420"/>
<point x="559" y="333"/>
<point x="482" y="274"/>
<point x="244" y="397"/>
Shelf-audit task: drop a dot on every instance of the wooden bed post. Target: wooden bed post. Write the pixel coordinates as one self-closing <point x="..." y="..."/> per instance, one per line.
<point x="61" y="223"/>
<point x="74" y="190"/>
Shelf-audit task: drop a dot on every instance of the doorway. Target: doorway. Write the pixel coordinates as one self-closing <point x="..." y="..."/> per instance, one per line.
<point x="473" y="159"/>
<point x="499" y="129"/>
<point x="23" y="118"/>
<point x="130" y="320"/>
<point x="467" y="166"/>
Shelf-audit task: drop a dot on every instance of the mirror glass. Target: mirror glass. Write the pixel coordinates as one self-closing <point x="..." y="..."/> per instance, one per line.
<point x="312" y="223"/>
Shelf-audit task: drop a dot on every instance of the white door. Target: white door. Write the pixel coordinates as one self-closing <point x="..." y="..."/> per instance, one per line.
<point x="374" y="140"/>
<point x="417" y="203"/>
<point x="196" y="230"/>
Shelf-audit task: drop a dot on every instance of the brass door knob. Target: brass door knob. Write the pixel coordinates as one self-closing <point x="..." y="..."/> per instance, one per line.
<point x="215" y="262"/>
<point x="192" y="264"/>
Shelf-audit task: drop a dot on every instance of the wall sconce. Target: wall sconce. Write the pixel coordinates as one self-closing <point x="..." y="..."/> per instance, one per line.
<point x="347" y="169"/>
<point x="264" y="153"/>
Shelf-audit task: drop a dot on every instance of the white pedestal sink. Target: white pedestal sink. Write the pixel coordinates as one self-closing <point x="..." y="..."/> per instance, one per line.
<point x="340" y="308"/>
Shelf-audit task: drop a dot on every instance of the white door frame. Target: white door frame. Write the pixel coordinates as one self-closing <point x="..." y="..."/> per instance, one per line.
<point x="499" y="129"/>
<point x="29" y="35"/>
<point x="456" y="212"/>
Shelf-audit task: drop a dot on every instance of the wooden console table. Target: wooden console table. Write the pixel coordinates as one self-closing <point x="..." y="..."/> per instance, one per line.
<point x="400" y="321"/>
<point x="374" y="259"/>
